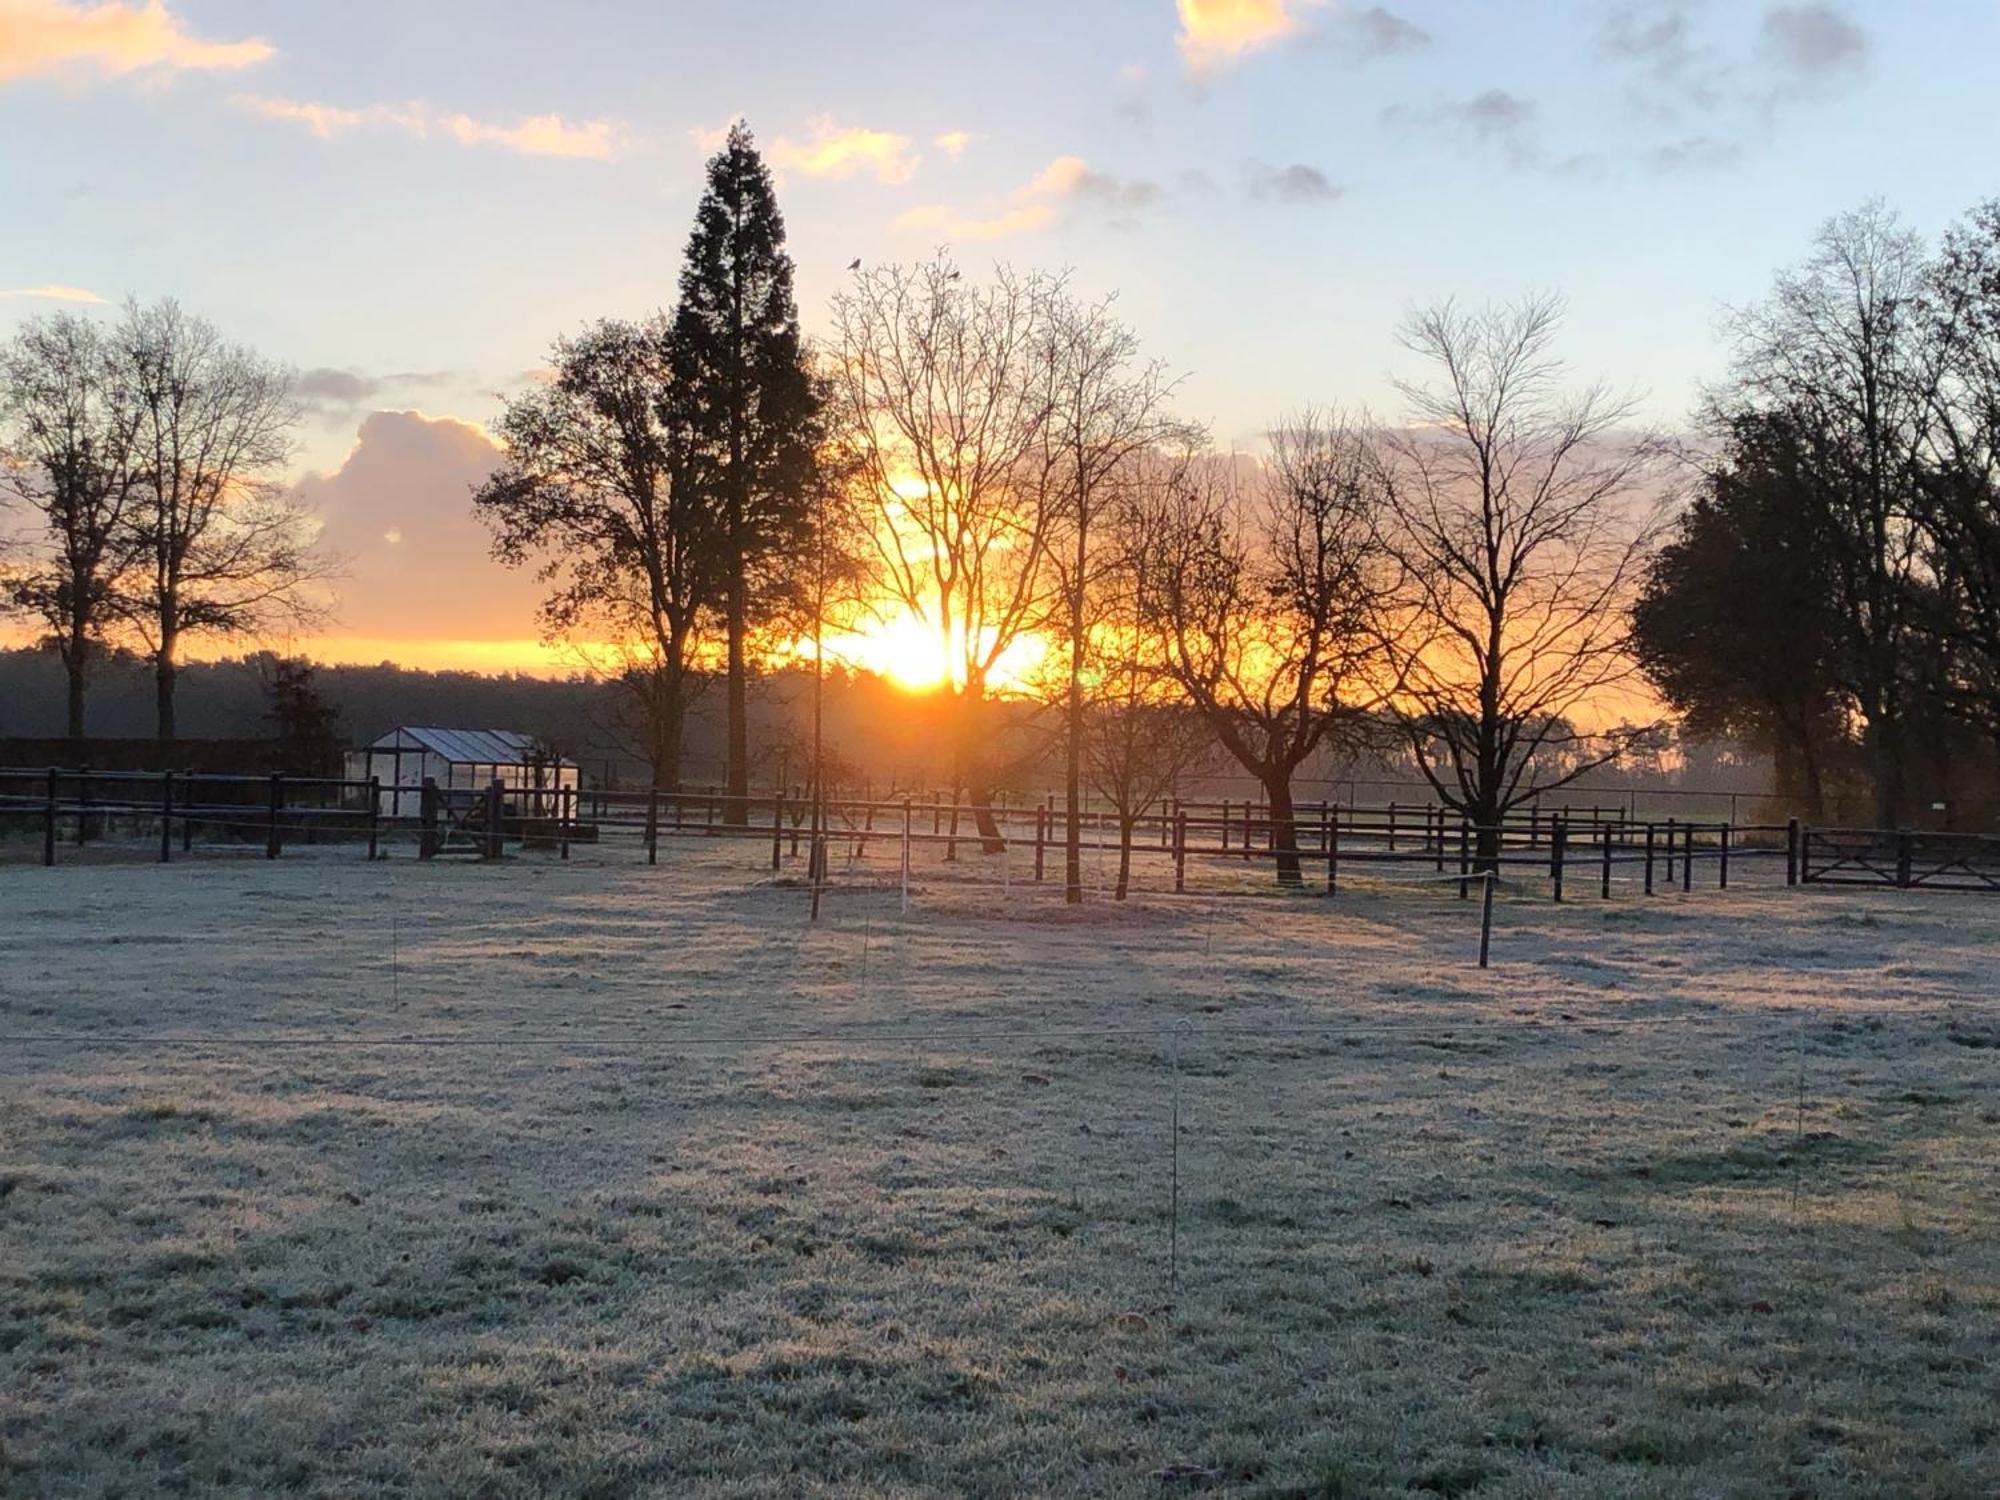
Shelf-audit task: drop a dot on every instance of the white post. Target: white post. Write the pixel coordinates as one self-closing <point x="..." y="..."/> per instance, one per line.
<point x="906" y="856"/>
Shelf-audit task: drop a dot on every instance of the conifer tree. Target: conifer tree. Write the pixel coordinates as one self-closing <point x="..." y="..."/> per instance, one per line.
<point x="753" y="408"/>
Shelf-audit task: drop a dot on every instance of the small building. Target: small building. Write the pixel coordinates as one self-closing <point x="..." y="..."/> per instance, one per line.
<point x="464" y="760"/>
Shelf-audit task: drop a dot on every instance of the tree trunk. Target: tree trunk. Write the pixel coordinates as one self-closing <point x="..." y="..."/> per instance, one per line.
<point x="75" y="666"/>
<point x="1885" y="758"/>
<point x="1125" y="823"/>
<point x="737" y="773"/>
<point x="163" y="688"/>
<point x="669" y="714"/>
<point x="972" y="774"/>
<point x="1284" y="829"/>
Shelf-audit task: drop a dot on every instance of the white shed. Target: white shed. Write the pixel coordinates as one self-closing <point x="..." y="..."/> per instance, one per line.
<point x="463" y="760"/>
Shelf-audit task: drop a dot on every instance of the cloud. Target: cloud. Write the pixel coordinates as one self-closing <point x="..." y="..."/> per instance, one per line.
<point x="1297" y="183"/>
<point x="60" y="36"/>
<point x="840" y="151"/>
<point x="398" y="508"/>
<point x="1067" y="181"/>
<point x="953" y="143"/>
<point x="1376" y="32"/>
<point x="536" y="135"/>
<point x="53" y="292"/>
<point x="1812" y="44"/>
<point x="1716" y="101"/>
<point x="1494" y="118"/>
<point x="1215" y="33"/>
<point x="710" y="139"/>
<point x="337" y="396"/>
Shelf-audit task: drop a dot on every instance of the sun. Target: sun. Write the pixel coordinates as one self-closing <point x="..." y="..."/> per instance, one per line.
<point x="902" y="646"/>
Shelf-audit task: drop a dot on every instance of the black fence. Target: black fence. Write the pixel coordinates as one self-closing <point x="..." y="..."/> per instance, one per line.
<point x="1907" y="859"/>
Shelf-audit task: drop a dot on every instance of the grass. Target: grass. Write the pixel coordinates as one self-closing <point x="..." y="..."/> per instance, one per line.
<point x="631" y="1184"/>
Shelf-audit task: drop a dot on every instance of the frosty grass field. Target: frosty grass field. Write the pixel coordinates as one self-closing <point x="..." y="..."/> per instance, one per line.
<point x="598" y="1180"/>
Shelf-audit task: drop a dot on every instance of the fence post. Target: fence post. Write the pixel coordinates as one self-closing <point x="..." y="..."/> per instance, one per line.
<point x="1904" y="845"/>
<point x="566" y="808"/>
<point x="427" y="814"/>
<point x="1605" y="880"/>
<point x="374" y="817"/>
<point x="166" y="817"/>
<point x="1180" y="850"/>
<point x="49" y="822"/>
<point x="1438" y="845"/>
<point x="1225" y="825"/>
<point x="1649" y="859"/>
<point x="1333" y="850"/>
<point x="1247" y="830"/>
<point x="188" y="804"/>
<point x="1486" y="918"/>
<point x="1792" y="851"/>
<point x="1392" y="828"/>
<point x="1041" y="838"/>
<point x="273" y="837"/>
<point x="1673" y="839"/>
<point x="652" y="822"/>
<point x="495" y="826"/>
<point x="1722" y="871"/>
<point x="1687" y="859"/>
<point x="951" y="844"/>
<point x="906" y="856"/>
<point x="778" y="826"/>
<point x="1464" y="857"/>
<point x="1558" y="846"/>
<point x="82" y="805"/>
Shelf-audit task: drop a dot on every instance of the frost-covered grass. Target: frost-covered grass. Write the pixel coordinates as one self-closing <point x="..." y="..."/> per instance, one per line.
<point x="618" y="1181"/>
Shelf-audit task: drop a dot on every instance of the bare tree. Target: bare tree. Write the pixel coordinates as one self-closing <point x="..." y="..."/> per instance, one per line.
<point x="596" y="493"/>
<point x="222" y="550"/>
<point x="829" y="583"/>
<point x="1274" y="603"/>
<point x="1140" y="735"/>
<point x="1839" y="350"/>
<point x="1521" y="519"/>
<point x="1960" y="512"/>
<point x="1107" y="411"/>
<point x="940" y="383"/>
<point x="67" y="438"/>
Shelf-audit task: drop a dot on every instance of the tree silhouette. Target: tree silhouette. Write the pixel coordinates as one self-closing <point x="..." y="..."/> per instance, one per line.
<point x="752" y="407"/>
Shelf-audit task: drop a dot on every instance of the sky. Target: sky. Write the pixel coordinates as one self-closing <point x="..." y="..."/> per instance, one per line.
<point x="407" y="202"/>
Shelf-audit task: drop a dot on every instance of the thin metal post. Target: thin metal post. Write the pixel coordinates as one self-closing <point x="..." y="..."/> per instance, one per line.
<point x="166" y="817"/>
<point x="567" y="798"/>
<point x="1333" y="851"/>
<point x="1041" y="839"/>
<point x="1180" y="850"/>
<point x="906" y="856"/>
<point x="273" y="838"/>
<point x="1722" y="872"/>
<point x="1486" y="919"/>
<point x="1464" y="857"/>
<point x="1604" y="882"/>
<point x="49" y="821"/>
<point x="1649" y="859"/>
<point x="1687" y="859"/>
<point x="1558" y="846"/>
<point x="1792" y="851"/>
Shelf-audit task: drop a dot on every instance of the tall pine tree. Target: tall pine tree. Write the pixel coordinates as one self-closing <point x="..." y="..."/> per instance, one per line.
<point x="754" y="408"/>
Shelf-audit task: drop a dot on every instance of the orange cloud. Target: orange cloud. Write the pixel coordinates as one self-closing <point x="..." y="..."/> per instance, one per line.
<point x="53" y="293"/>
<point x="1217" y="32"/>
<point x="1066" y="179"/>
<point x="53" y="36"/>
<point x="538" y="135"/>
<point x="839" y="151"/>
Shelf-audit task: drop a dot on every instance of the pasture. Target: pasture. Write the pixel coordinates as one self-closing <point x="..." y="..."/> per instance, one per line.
<point x="588" y="1179"/>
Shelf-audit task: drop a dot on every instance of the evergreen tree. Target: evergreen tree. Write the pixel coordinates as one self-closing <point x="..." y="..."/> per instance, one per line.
<point x="753" y="408"/>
